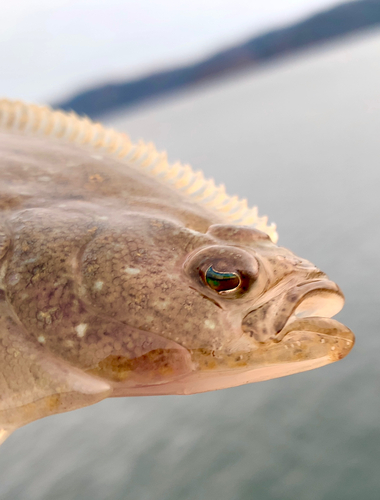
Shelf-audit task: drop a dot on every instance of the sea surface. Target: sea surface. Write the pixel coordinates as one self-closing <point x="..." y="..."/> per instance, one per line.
<point x="300" y="139"/>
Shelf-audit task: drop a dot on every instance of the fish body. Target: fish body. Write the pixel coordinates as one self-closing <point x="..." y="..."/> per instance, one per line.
<point x="123" y="275"/>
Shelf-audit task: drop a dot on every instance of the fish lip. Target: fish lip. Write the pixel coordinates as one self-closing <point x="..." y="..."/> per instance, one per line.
<point x="320" y="325"/>
<point x="302" y="292"/>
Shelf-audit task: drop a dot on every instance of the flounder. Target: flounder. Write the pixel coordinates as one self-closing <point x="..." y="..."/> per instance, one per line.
<point x="124" y="275"/>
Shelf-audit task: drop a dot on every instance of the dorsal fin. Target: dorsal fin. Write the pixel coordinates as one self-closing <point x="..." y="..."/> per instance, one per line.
<point x="3" y="435"/>
<point x="15" y="115"/>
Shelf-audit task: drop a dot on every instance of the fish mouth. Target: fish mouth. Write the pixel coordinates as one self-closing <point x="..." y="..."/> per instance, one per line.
<point x="311" y="320"/>
<point x="315" y="303"/>
<point x="308" y="306"/>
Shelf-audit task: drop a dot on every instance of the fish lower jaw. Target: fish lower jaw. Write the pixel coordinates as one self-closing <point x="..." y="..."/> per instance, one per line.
<point x="199" y="382"/>
<point x="308" y="343"/>
<point x="305" y="343"/>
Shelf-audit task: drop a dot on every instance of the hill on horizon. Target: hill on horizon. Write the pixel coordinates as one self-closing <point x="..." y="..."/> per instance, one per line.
<point x="328" y="25"/>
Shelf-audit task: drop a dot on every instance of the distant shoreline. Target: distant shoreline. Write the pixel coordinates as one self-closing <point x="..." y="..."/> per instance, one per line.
<point x="325" y="26"/>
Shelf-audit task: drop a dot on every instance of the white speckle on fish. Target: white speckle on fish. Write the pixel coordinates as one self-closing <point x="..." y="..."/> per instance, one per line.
<point x="98" y="285"/>
<point x="132" y="270"/>
<point x="81" y="329"/>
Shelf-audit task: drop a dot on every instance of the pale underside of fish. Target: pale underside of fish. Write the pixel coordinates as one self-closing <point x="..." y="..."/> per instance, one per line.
<point x="123" y="275"/>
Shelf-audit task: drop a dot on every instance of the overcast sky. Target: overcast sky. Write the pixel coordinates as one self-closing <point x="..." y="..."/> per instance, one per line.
<point x="51" y="48"/>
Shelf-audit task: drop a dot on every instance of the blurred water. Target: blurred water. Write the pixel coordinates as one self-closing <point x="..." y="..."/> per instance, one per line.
<point x="300" y="140"/>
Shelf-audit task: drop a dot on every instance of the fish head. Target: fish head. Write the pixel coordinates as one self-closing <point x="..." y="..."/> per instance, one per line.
<point x="276" y="306"/>
<point x="213" y="309"/>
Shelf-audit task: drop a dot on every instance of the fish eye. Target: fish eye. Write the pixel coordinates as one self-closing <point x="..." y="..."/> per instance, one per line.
<point x="221" y="281"/>
<point x="228" y="271"/>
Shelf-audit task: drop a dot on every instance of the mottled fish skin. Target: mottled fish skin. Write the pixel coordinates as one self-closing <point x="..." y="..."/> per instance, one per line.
<point x="122" y="275"/>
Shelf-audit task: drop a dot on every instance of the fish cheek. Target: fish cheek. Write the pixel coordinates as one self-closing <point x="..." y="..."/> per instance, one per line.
<point x="120" y="273"/>
<point x="136" y="277"/>
<point x="164" y="307"/>
<point x="130" y="280"/>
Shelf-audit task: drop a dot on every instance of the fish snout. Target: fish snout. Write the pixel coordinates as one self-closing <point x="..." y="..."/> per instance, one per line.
<point x="321" y="298"/>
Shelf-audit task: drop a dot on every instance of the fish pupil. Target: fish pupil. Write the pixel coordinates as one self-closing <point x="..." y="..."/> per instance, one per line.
<point x="221" y="281"/>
